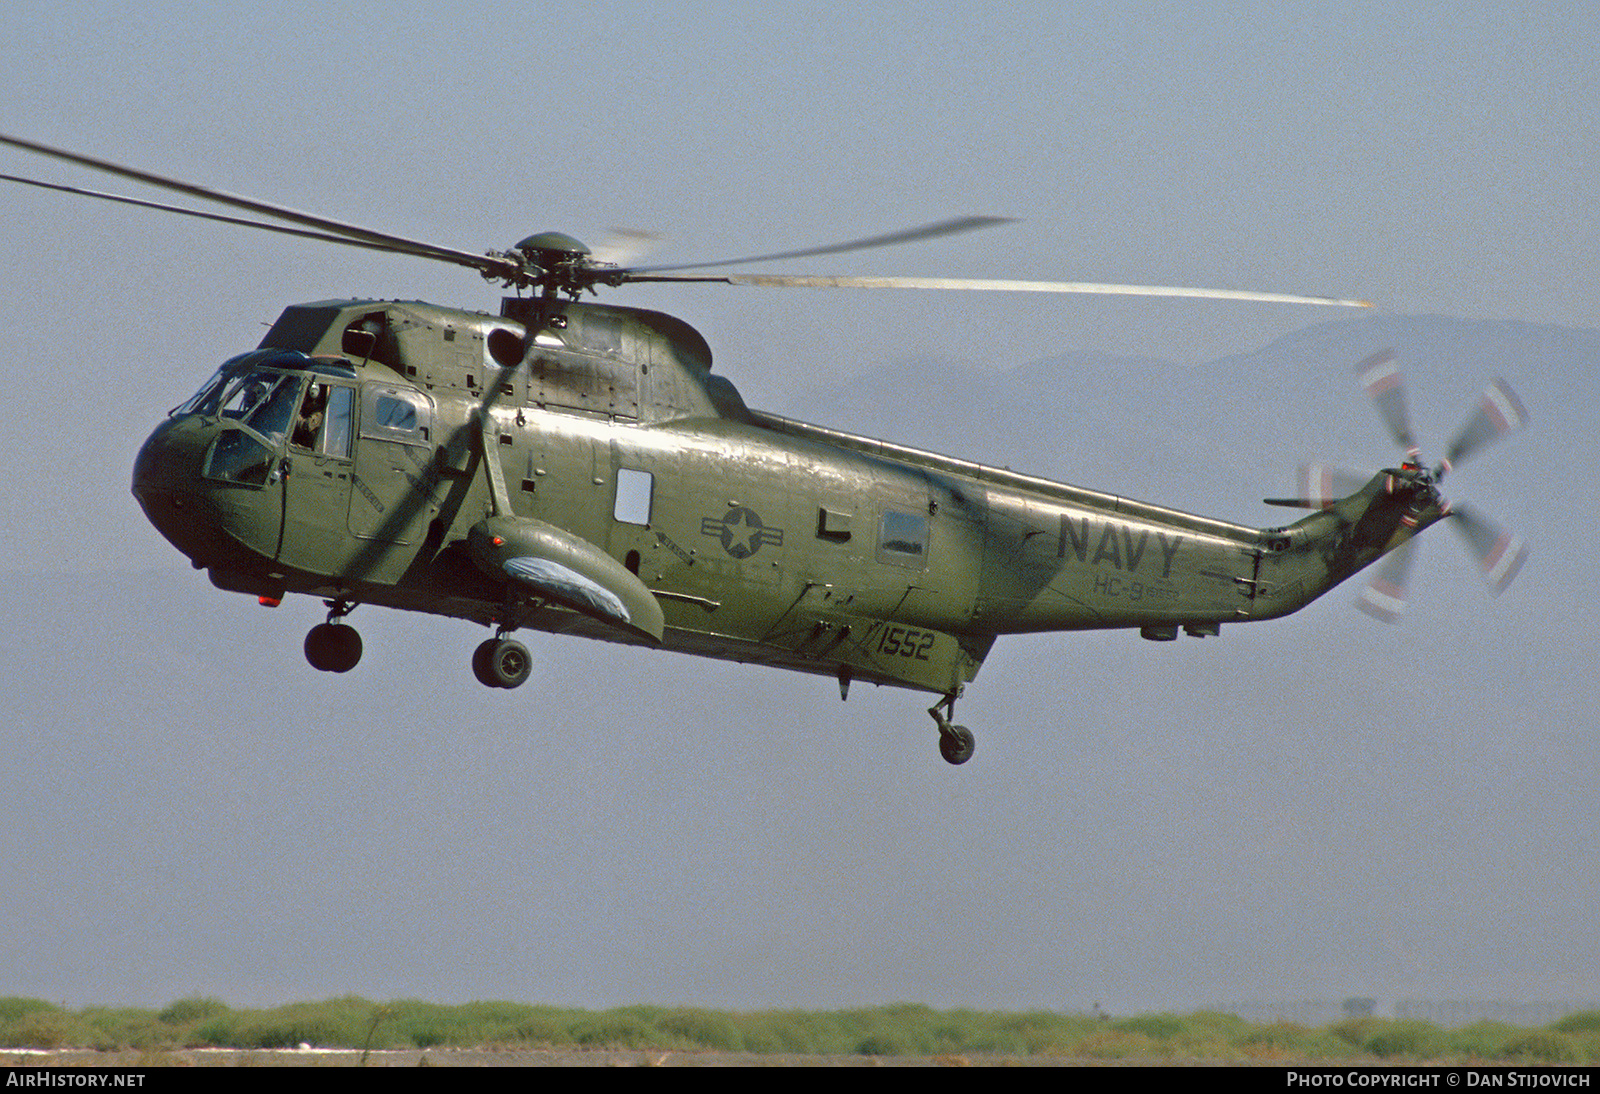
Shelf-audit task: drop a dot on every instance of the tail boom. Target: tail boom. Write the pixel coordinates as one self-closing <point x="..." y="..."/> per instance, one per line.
<point x="1326" y="548"/>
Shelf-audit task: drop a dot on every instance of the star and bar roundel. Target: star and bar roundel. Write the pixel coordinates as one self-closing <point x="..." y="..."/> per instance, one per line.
<point x="740" y="531"/>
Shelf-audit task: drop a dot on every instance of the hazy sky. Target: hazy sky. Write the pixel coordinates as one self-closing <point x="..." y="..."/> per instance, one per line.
<point x="1313" y="807"/>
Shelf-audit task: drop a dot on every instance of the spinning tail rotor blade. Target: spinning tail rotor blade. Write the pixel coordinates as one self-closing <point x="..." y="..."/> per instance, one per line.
<point x="1380" y="375"/>
<point x="1384" y="596"/>
<point x="1412" y="490"/>
<point x="1500" y="553"/>
<point x="1499" y="412"/>
<point x="1327" y="485"/>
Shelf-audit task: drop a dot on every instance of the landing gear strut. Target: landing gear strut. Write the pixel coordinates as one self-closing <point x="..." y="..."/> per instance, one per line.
<point x="956" y="743"/>
<point x="334" y="646"/>
<point x="501" y="662"/>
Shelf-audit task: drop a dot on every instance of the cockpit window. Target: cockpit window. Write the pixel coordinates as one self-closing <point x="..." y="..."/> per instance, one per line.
<point x="237" y="457"/>
<point x="247" y="394"/>
<point x="204" y="401"/>
<point x="264" y="400"/>
<point x="323" y="422"/>
<point x="208" y="399"/>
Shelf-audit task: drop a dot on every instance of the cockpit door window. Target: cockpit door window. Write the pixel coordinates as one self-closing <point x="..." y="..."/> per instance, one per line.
<point x="341" y="422"/>
<point x="324" y="420"/>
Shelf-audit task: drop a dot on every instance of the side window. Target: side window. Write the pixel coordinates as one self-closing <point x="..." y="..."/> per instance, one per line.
<point x="903" y="539"/>
<point x="341" y="420"/>
<point x="397" y="414"/>
<point x="634" y="489"/>
<point x="323" y="422"/>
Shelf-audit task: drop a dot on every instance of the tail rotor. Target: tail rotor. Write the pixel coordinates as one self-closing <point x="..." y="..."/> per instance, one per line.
<point x="1500" y="553"/>
<point x="1380" y="375"/>
<point x="1384" y="595"/>
<point x="1499" y="412"/>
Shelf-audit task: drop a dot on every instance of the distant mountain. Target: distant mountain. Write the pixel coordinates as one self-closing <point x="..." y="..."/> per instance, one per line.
<point x="1229" y="431"/>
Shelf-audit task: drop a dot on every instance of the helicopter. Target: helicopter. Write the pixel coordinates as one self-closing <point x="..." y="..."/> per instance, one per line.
<point x="577" y="467"/>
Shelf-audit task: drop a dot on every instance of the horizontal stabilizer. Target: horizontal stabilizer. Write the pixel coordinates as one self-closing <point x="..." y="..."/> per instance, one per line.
<point x="1321" y="486"/>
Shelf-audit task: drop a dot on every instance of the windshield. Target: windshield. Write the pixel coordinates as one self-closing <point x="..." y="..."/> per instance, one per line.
<point x="263" y="399"/>
<point x="204" y="401"/>
<point x="266" y="365"/>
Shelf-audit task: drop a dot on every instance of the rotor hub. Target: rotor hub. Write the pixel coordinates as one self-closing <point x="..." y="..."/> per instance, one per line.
<point x="554" y="263"/>
<point x="556" y="243"/>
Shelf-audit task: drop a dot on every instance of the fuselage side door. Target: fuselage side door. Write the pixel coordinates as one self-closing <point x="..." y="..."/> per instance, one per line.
<point x="392" y="489"/>
<point x="318" y="468"/>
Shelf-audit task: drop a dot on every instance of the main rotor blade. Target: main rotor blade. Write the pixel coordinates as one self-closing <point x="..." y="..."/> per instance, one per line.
<point x="978" y="285"/>
<point x="1380" y="375"/>
<point x="620" y="246"/>
<point x="1500" y="553"/>
<point x="1499" y="412"/>
<point x="340" y="231"/>
<point x="1384" y="596"/>
<point x="219" y="217"/>
<point x="953" y="226"/>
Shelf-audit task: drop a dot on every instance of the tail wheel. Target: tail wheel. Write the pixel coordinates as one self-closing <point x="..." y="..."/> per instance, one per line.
<point x="958" y="745"/>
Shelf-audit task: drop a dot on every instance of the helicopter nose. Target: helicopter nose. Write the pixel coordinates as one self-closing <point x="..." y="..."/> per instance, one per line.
<point x="166" y="482"/>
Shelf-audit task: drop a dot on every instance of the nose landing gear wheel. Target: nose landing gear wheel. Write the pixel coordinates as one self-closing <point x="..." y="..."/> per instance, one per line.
<point x="333" y="647"/>
<point x="501" y="663"/>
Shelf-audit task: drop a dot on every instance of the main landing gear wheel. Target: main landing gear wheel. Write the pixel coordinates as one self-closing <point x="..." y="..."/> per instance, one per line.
<point x="956" y="743"/>
<point x="501" y="663"/>
<point x="333" y="647"/>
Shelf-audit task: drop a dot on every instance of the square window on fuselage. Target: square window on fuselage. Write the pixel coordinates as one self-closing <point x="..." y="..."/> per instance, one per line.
<point x="903" y="538"/>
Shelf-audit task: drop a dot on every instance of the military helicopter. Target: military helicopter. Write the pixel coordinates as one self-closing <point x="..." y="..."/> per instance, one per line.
<point x="578" y="468"/>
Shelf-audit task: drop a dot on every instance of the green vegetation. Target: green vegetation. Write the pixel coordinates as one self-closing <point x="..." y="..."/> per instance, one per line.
<point x="901" y="1029"/>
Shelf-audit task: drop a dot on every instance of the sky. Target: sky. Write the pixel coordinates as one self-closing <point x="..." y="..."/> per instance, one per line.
<point x="1310" y="808"/>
